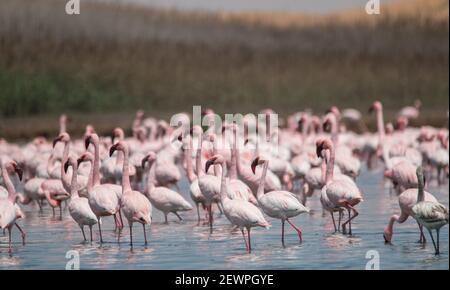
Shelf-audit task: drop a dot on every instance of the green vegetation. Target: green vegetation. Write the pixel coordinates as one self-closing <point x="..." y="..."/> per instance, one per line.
<point x="121" y="58"/>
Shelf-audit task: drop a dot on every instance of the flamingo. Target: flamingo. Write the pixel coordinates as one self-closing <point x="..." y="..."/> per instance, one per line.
<point x="9" y="210"/>
<point x="239" y="212"/>
<point x="135" y="206"/>
<point x="429" y="214"/>
<point x="164" y="199"/>
<point x="281" y="205"/>
<point x="103" y="198"/>
<point x="407" y="200"/>
<point x="340" y="193"/>
<point x="79" y="208"/>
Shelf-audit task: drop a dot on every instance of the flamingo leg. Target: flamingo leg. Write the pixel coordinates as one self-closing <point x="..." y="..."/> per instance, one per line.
<point x="82" y="230"/>
<point x="282" y="231"/>
<point x="437" y="234"/>
<point x="22" y="232"/>
<point x="178" y="216"/>
<point x="60" y="211"/>
<point x="9" y="240"/>
<point x="334" y="222"/>
<point x="299" y="231"/>
<point x="90" y="231"/>
<point x="120" y="219"/>
<point x="211" y="219"/>
<point x="355" y="214"/>
<point x="145" y="234"/>
<point x="198" y="213"/>
<point x="340" y="220"/>
<point x="165" y="219"/>
<point x="245" y="239"/>
<point x="115" y="222"/>
<point x="434" y="243"/>
<point x="131" y="235"/>
<point x="100" y="231"/>
<point x="249" y="240"/>
<point x="422" y="239"/>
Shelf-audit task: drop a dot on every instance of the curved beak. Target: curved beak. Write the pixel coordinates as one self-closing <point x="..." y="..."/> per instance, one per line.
<point x="180" y="138"/>
<point x="19" y="171"/>
<point x="371" y="109"/>
<point x="66" y="166"/>
<point x="56" y="140"/>
<point x="79" y="161"/>
<point x="254" y="164"/>
<point x="209" y="163"/>
<point x="191" y="132"/>
<point x="319" y="149"/>
<point x="113" y="136"/>
<point x="326" y="125"/>
<point x="87" y="141"/>
<point x="113" y="149"/>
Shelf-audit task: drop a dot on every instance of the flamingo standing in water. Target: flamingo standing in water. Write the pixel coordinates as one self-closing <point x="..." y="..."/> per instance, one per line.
<point x="79" y="208"/>
<point x="9" y="210"/>
<point x="429" y="214"/>
<point x="104" y="199"/>
<point x="136" y="207"/>
<point x="239" y="212"/>
<point x="339" y="192"/>
<point x="164" y="199"/>
<point x="282" y="205"/>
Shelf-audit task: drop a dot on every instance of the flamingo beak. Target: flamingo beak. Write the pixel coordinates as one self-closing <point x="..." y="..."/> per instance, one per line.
<point x="209" y="163"/>
<point x="254" y="164"/>
<point x="79" y="161"/>
<point x="180" y="138"/>
<point x="191" y="132"/>
<point x="319" y="150"/>
<point x="87" y="141"/>
<point x="112" y="150"/>
<point x="66" y="166"/>
<point x="19" y="171"/>
<point x="56" y="140"/>
<point x="371" y="109"/>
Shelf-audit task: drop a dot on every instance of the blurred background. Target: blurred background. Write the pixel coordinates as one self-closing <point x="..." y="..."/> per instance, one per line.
<point x="164" y="56"/>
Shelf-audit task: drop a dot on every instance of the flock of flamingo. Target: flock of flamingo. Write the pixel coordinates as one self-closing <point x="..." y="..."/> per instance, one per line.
<point x="250" y="179"/>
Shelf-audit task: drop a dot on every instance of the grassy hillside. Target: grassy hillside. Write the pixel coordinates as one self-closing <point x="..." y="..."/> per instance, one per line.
<point x="120" y="58"/>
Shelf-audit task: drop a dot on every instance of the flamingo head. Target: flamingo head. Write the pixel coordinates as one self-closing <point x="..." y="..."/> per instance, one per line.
<point x="71" y="161"/>
<point x="117" y="133"/>
<point x="376" y="106"/>
<point x="119" y="146"/>
<point x="63" y="137"/>
<point x="387" y="235"/>
<point x="196" y="130"/>
<point x="257" y="161"/>
<point x="335" y="111"/>
<point x="87" y="156"/>
<point x="323" y="144"/>
<point x="402" y="123"/>
<point x="90" y="139"/>
<point x="329" y="121"/>
<point x="11" y="166"/>
<point x="150" y="158"/>
<point x="216" y="159"/>
<point x="140" y="115"/>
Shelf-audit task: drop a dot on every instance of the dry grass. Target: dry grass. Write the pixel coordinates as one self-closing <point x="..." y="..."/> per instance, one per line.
<point x="120" y="58"/>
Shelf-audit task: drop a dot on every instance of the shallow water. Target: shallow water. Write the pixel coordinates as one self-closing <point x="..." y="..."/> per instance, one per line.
<point x="184" y="245"/>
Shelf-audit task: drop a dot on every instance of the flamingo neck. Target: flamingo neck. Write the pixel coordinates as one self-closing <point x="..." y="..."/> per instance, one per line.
<point x="380" y="126"/>
<point x="9" y="185"/>
<point x="90" y="183"/>
<point x="233" y="166"/>
<point x="392" y="220"/>
<point x="237" y="154"/>
<point x="96" y="167"/>
<point x="73" y="184"/>
<point x="262" y="180"/>
<point x="126" y="185"/>
<point x="188" y="161"/>
<point x="223" y="184"/>
<point x="324" y="165"/>
<point x="198" y="158"/>
<point x="64" y="177"/>
<point x="330" y="166"/>
<point x="334" y="130"/>
<point x="421" y="192"/>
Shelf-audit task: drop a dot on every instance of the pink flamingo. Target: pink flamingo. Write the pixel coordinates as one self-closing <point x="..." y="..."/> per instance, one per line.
<point x="239" y="212"/>
<point x="281" y="205"/>
<point x="340" y="192"/>
<point x="103" y="198"/>
<point x="9" y="210"/>
<point x="79" y="208"/>
<point x="163" y="198"/>
<point x="136" y="207"/>
<point x="407" y="200"/>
